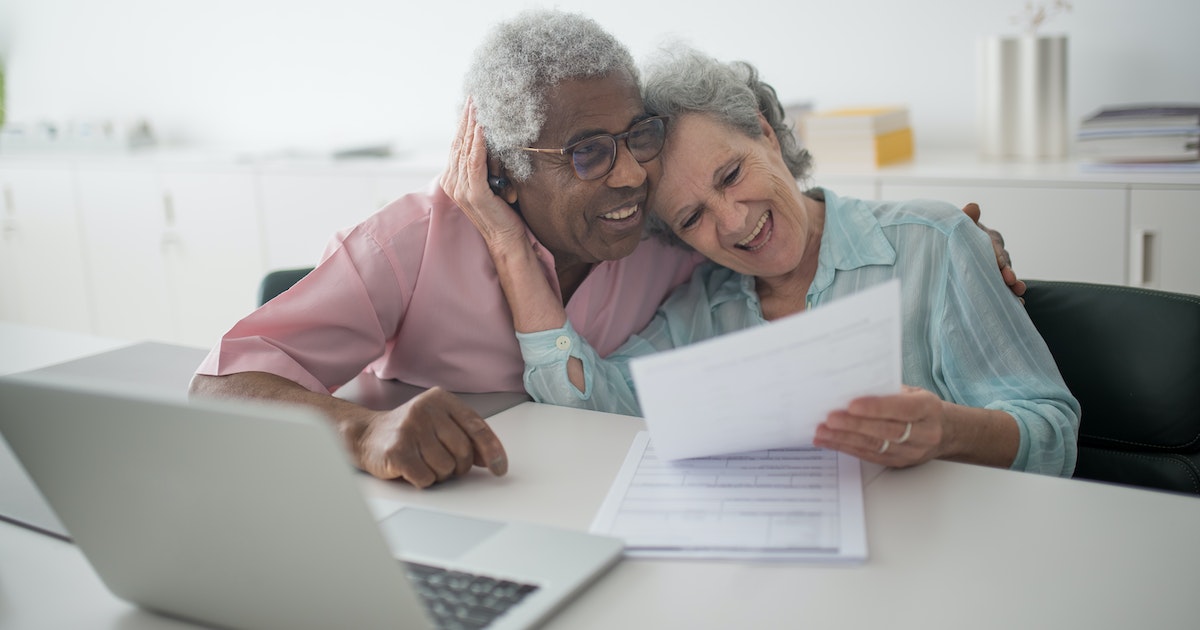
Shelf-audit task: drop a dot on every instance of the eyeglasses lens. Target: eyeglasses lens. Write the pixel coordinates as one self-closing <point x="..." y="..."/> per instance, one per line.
<point x="594" y="157"/>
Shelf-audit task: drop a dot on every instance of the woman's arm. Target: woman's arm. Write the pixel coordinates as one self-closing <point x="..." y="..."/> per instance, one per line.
<point x="1006" y="404"/>
<point x="560" y="366"/>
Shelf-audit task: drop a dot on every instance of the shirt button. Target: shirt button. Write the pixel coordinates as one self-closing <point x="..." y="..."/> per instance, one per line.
<point x="563" y="343"/>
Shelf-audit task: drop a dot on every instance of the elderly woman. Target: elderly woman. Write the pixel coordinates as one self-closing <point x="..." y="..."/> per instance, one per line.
<point x="980" y="384"/>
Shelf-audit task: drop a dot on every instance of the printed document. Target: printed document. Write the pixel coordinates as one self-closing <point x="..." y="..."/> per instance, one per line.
<point x="778" y="504"/>
<point x="769" y="387"/>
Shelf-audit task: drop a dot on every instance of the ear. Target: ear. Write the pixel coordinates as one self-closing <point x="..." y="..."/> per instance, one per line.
<point x="500" y="182"/>
<point x="768" y="131"/>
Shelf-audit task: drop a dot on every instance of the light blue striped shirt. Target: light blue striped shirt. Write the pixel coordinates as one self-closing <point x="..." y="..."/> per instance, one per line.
<point x="965" y="336"/>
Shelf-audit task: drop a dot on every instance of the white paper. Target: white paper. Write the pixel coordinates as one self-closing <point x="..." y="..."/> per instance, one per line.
<point x="770" y="386"/>
<point x="786" y="504"/>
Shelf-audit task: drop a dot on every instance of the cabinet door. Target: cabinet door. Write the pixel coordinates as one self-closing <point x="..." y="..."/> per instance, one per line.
<point x="176" y="255"/>
<point x="1052" y="233"/>
<point x="125" y="224"/>
<point x="212" y="251"/>
<point x="1165" y="234"/>
<point x="41" y="255"/>
<point x="303" y="210"/>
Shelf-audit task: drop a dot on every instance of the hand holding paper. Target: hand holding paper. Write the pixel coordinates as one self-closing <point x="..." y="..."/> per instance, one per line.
<point x="769" y="387"/>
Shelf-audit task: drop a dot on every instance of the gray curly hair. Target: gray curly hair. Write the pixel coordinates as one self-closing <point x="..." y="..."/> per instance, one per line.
<point x="683" y="80"/>
<point x="517" y="64"/>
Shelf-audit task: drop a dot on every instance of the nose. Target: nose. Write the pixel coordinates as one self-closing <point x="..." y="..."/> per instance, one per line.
<point x="626" y="172"/>
<point x="730" y="216"/>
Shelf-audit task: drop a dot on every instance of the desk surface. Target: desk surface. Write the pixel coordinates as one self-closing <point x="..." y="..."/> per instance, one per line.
<point x="951" y="546"/>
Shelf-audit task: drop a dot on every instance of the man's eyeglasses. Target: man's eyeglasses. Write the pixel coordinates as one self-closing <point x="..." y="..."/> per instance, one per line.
<point x="594" y="156"/>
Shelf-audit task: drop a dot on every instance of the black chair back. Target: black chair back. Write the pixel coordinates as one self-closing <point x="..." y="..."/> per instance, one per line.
<point x="1132" y="358"/>
<point x="278" y="281"/>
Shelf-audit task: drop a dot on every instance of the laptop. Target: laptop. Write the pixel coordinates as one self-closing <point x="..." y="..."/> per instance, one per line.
<point x="244" y="515"/>
<point x="164" y="368"/>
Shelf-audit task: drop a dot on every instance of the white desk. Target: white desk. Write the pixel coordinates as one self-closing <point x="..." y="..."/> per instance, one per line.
<point x="951" y="546"/>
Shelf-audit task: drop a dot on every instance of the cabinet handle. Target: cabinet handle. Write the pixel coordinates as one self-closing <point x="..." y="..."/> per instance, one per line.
<point x="168" y="210"/>
<point x="10" y="214"/>
<point x="1141" y="258"/>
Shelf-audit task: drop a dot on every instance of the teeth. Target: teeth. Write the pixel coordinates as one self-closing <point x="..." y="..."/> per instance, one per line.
<point x="758" y="228"/>
<point x="617" y="215"/>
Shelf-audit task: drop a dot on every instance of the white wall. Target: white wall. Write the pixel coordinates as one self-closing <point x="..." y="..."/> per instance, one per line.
<point x="271" y="74"/>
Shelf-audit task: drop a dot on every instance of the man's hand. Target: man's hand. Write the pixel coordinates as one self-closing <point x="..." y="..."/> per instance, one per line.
<point x="430" y="438"/>
<point x="465" y="181"/>
<point x="1002" y="257"/>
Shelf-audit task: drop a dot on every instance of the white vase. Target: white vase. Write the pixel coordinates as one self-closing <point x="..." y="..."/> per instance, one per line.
<point x="1023" y="97"/>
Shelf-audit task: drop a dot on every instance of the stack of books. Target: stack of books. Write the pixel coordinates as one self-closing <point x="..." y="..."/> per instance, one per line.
<point x="862" y="137"/>
<point x="1140" y="134"/>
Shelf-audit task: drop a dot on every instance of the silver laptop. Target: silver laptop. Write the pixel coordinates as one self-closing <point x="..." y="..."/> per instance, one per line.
<point x="250" y="516"/>
<point x="156" y="367"/>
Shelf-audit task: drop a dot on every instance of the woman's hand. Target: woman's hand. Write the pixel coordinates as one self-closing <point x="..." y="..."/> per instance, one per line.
<point x="900" y="430"/>
<point x="465" y="181"/>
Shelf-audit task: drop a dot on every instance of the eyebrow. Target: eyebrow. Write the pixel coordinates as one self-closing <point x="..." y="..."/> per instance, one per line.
<point x="718" y="175"/>
<point x="588" y="133"/>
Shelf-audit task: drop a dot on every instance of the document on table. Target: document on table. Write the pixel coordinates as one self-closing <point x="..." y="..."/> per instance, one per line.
<point x="770" y="386"/>
<point x="778" y="504"/>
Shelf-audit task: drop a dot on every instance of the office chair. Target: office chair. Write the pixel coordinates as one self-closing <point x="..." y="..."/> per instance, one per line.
<point x="1132" y="358"/>
<point x="278" y="281"/>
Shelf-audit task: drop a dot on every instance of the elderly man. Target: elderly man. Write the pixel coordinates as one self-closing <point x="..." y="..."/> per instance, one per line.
<point x="412" y="292"/>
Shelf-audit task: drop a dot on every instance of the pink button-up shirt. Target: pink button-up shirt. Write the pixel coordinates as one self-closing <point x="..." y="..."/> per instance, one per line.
<point x="412" y="294"/>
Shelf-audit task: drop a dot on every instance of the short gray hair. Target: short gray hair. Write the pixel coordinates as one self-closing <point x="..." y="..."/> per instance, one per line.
<point x="520" y="61"/>
<point x="683" y="80"/>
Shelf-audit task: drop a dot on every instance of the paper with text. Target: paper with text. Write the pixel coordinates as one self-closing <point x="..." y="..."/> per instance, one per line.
<point x="779" y="504"/>
<point x="770" y="386"/>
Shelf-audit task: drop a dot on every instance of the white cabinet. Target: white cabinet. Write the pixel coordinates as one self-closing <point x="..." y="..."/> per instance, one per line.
<point x="175" y="255"/>
<point x="171" y="248"/>
<point x="1052" y="233"/>
<point x="304" y="206"/>
<point x="1060" y="220"/>
<point x="41" y="254"/>
<point x="1165" y="239"/>
<point x="160" y="248"/>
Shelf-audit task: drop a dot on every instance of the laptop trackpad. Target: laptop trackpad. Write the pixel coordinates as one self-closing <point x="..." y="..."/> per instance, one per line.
<point x="435" y="534"/>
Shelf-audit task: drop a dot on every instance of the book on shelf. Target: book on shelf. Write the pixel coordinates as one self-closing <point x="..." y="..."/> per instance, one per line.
<point x="1128" y="118"/>
<point x="864" y="137"/>
<point x="1144" y="133"/>
<point x="855" y="121"/>
<point x="1160" y="147"/>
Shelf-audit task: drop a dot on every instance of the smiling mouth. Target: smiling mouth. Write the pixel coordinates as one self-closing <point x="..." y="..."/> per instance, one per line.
<point x="621" y="214"/>
<point x="758" y="237"/>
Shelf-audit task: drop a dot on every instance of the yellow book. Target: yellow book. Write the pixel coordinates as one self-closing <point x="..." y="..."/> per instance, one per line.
<point x="876" y="151"/>
<point x="861" y="121"/>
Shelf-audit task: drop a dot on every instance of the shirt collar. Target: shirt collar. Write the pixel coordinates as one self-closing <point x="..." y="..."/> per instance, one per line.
<point x="852" y="238"/>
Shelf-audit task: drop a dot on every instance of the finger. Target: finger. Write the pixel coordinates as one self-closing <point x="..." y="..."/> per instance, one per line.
<point x="449" y="177"/>
<point x="488" y="450"/>
<point x="458" y="445"/>
<point x="859" y="445"/>
<point x="875" y="429"/>
<point x="407" y="463"/>
<point x="972" y="210"/>
<point x="439" y="458"/>
<point x="906" y="406"/>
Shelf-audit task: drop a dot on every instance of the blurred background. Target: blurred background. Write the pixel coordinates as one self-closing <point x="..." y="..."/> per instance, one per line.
<point x="269" y="75"/>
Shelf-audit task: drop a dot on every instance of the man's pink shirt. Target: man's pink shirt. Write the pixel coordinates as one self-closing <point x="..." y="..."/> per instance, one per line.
<point x="412" y="294"/>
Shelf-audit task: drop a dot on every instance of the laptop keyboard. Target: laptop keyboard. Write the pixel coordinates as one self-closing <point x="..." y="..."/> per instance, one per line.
<point x="458" y="600"/>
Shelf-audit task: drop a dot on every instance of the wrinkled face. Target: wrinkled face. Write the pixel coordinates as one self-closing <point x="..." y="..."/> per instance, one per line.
<point x="730" y="196"/>
<point x="586" y="221"/>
